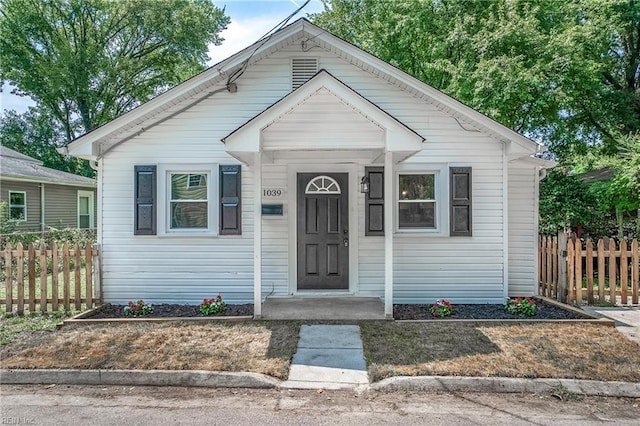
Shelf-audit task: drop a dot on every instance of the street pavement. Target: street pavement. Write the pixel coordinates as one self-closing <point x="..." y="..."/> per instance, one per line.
<point x="135" y="405"/>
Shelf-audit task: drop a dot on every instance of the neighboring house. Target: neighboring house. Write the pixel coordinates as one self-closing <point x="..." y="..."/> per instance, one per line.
<point x="303" y="165"/>
<point x="39" y="197"/>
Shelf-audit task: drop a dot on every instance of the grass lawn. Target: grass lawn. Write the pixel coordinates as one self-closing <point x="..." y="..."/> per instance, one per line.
<point x="582" y="351"/>
<point x="577" y="351"/>
<point x="260" y="347"/>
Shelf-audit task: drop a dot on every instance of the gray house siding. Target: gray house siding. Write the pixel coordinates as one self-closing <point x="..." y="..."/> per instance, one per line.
<point x="33" y="202"/>
<point x="61" y="204"/>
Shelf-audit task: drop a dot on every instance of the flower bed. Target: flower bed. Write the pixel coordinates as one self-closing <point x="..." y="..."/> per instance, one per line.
<point x="461" y="311"/>
<point x="170" y="311"/>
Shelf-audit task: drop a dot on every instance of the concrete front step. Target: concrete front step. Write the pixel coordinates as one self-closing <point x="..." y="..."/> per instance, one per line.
<point x="323" y="308"/>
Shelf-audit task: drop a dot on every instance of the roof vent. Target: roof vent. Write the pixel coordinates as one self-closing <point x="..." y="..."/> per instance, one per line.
<point x="302" y="69"/>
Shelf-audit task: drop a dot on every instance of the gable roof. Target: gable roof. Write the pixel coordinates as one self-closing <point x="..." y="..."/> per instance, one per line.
<point x="17" y="166"/>
<point x="215" y="79"/>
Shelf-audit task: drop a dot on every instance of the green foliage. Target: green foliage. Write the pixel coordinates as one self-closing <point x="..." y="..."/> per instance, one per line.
<point x="7" y="225"/>
<point x="35" y="133"/>
<point x="213" y="306"/>
<point x="562" y="72"/>
<point x="442" y="308"/>
<point x="13" y="327"/>
<point x="70" y="236"/>
<point x="565" y="201"/>
<point x="88" y="61"/>
<point x="524" y="306"/>
<point x="137" y="309"/>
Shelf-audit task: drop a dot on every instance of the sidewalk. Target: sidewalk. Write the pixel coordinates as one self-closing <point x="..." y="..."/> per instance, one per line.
<point x="627" y="319"/>
<point x="328" y="357"/>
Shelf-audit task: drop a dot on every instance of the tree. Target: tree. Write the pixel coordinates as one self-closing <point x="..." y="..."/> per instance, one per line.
<point x="566" y="73"/>
<point x="87" y="61"/>
<point x="35" y="134"/>
<point x="565" y="201"/>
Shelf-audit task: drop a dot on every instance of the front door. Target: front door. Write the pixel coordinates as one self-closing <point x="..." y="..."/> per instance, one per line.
<point x="323" y="231"/>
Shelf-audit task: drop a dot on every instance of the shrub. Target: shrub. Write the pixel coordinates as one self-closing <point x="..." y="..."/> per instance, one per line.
<point x="524" y="306"/>
<point x="213" y="306"/>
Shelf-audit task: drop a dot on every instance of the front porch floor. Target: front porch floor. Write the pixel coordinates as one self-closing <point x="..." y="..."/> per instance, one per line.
<point x="323" y="308"/>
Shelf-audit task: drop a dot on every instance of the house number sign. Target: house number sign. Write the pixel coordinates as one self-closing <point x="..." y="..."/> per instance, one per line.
<point x="273" y="193"/>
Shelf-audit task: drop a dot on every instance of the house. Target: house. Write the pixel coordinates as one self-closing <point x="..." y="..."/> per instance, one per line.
<point x="38" y="197"/>
<point x="303" y="165"/>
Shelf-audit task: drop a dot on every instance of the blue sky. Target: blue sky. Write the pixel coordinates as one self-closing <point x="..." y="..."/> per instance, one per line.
<point x="250" y="20"/>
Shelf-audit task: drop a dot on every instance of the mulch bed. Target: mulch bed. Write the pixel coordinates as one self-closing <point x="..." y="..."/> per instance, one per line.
<point x="170" y="311"/>
<point x="400" y="312"/>
<point x="497" y="312"/>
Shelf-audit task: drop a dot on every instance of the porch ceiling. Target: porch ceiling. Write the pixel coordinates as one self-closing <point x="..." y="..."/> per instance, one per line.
<point x="323" y="117"/>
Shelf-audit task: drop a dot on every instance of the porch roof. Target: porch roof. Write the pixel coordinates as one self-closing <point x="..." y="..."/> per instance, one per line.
<point x="324" y="114"/>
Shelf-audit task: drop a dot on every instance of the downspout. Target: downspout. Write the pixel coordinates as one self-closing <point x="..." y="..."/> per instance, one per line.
<point x="505" y="220"/>
<point x="98" y="267"/>
<point x="42" y="209"/>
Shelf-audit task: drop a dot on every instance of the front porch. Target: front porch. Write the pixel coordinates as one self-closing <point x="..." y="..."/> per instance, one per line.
<point x="323" y="308"/>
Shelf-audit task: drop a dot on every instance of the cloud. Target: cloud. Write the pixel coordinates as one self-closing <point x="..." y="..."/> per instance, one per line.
<point x="241" y="34"/>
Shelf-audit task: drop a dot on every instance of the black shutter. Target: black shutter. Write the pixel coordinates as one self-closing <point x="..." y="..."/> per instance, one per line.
<point x="460" y="201"/>
<point x="230" y="211"/>
<point x="374" y="201"/>
<point x="145" y="200"/>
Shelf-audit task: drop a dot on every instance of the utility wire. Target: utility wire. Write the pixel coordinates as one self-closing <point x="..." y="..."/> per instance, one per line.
<point x="262" y="40"/>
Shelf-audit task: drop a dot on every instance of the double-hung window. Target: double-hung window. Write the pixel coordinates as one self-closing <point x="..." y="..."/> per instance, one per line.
<point x="417" y="204"/>
<point x="85" y="209"/>
<point x="18" y="205"/>
<point x="421" y="199"/>
<point x="190" y="199"/>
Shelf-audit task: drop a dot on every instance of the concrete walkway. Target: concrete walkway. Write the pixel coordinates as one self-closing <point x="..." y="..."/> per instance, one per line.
<point x="627" y="319"/>
<point x="328" y="357"/>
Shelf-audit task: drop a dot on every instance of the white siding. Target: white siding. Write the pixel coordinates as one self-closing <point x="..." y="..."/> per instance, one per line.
<point x="322" y="122"/>
<point x="523" y="234"/>
<point x="173" y="269"/>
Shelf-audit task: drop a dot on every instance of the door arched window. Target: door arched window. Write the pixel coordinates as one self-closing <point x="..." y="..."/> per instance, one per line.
<point x="322" y="185"/>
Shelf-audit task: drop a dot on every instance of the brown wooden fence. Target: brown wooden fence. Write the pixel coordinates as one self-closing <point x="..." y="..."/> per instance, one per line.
<point x="598" y="273"/>
<point x="49" y="279"/>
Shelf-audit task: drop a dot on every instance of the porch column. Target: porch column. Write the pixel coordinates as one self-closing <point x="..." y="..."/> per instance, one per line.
<point x="388" y="234"/>
<point x="257" y="235"/>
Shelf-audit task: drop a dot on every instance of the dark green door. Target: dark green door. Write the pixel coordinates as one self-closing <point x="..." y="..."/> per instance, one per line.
<point x="323" y="231"/>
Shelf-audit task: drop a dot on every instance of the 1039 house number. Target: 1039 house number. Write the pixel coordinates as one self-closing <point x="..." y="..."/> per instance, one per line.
<point x="273" y="193"/>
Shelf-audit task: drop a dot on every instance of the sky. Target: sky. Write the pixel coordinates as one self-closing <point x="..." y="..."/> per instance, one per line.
<point x="250" y="20"/>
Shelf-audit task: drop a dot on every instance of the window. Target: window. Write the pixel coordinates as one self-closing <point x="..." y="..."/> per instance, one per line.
<point x="189" y="203"/>
<point x="197" y="181"/>
<point x="189" y="195"/>
<point x="322" y="185"/>
<point x="417" y="201"/>
<point x="18" y="205"/>
<point x="85" y="210"/>
<point x="422" y="194"/>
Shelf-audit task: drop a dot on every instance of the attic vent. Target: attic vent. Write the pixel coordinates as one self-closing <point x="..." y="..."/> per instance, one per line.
<point x="302" y="69"/>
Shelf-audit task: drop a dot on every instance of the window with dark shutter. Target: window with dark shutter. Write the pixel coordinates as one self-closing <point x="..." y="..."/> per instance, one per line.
<point x="374" y="201"/>
<point x="145" y="200"/>
<point x="230" y="209"/>
<point x="460" y="202"/>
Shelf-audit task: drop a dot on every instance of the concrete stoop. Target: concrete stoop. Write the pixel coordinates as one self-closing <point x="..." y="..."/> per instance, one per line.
<point x="328" y="357"/>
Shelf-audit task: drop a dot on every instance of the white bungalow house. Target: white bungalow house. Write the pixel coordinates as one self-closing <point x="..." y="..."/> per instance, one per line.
<point x="303" y="165"/>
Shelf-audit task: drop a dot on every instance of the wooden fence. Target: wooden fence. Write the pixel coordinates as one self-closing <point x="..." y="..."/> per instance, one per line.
<point x="602" y="273"/>
<point x="42" y="277"/>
